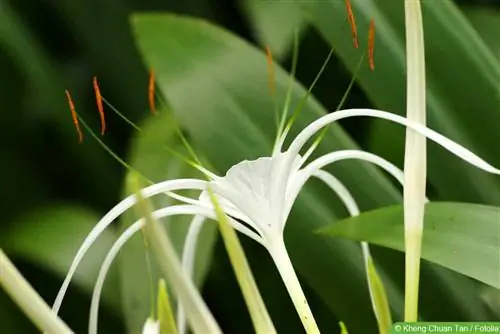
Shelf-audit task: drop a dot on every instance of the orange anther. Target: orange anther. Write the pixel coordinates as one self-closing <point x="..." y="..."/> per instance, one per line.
<point x="352" y="22"/>
<point x="74" y="116"/>
<point x="371" y="44"/>
<point x="100" y="107"/>
<point x="151" y="92"/>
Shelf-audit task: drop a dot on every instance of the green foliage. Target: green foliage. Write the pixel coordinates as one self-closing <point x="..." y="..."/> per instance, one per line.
<point x="456" y="235"/>
<point x="215" y="83"/>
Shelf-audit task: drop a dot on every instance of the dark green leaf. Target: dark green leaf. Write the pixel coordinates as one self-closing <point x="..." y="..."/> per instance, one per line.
<point x="273" y="24"/>
<point x="462" y="237"/>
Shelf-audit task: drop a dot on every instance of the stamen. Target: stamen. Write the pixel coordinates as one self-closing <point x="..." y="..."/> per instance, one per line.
<point x="74" y="116"/>
<point x="371" y="44"/>
<point x="295" y="55"/>
<point x="352" y="22"/>
<point x="151" y="92"/>
<point x="100" y="107"/>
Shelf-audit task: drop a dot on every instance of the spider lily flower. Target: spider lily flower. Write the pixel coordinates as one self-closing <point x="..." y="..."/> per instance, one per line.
<point x="257" y="196"/>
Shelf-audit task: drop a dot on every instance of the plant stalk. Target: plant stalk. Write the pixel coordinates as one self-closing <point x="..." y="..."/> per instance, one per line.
<point x="415" y="168"/>
<point x="23" y="294"/>
<point x="280" y="256"/>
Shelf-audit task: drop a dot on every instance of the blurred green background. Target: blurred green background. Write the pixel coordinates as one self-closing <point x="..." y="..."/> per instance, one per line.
<point x="55" y="189"/>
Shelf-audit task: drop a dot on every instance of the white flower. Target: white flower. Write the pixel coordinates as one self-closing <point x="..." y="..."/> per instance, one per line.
<point x="258" y="196"/>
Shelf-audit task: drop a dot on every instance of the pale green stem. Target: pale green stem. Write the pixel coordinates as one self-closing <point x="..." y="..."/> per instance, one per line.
<point x="28" y="299"/>
<point x="258" y="312"/>
<point x="200" y="318"/>
<point x="282" y="261"/>
<point x="413" y="244"/>
<point x="415" y="168"/>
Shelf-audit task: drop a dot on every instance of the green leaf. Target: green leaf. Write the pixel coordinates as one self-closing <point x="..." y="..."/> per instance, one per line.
<point x="462" y="237"/>
<point x="487" y="23"/>
<point x="273" y="24"/>
<point x="462" y="92"/>
<point x="63" y="228"/>
<point x="149" y="156"/>
<point x="216" y="85"/>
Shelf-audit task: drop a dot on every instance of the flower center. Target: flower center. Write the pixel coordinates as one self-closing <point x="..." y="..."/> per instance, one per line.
<point x="258" y="189"/>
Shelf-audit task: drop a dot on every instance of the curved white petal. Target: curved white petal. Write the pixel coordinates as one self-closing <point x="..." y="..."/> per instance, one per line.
<point x="188" y="257"/>
<point x="340" y="189"/>
<point x="182" y="199"/>
<point x="162" y="187"/>
<point x="227" y="206"/>
<point x="448" y="144"/>
<point x="332" y="157"/>
<point x="151" y="327"/>
<point x="126" y="235"/>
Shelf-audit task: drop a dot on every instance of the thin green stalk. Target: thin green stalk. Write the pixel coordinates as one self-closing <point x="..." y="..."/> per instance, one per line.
<point x="198" y="314"/>
<point x="415" y="168"/>
<point x="28" y="299"/>
<point x="260" y="317"/>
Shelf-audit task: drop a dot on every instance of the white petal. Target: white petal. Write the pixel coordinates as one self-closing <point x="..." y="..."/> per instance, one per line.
<point x="117" y="246"/>
<point x="448" y="144"/>
<point x="151" y="327"/>
<point x="257" y="188"/>
<point x="162" y="187"/>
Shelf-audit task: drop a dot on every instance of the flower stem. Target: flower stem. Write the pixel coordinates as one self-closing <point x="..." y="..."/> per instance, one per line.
<point x="415" y="169"/>
<point x="28" y="300"/>
<point x="280" y="256"/>
<point x="413" y="244"/>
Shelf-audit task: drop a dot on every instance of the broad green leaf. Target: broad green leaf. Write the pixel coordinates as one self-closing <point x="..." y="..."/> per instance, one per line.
<point x="273" y="24"/>
<point x="216" y="85"/>
<point x="50" y="237"/>
<point x="462" y="77"/>
<point x="462" y="237"/>
<point x="149" y="156"/>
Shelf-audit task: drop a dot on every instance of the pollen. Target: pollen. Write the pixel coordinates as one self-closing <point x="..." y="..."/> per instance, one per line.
<point x="151" y="92"/>
<point x="352" y="22"/>
<point x="371" y="44"/>
<point x="74" y="116"/>
<point x="270" y="71"/>
<point x="100" y="107"/>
